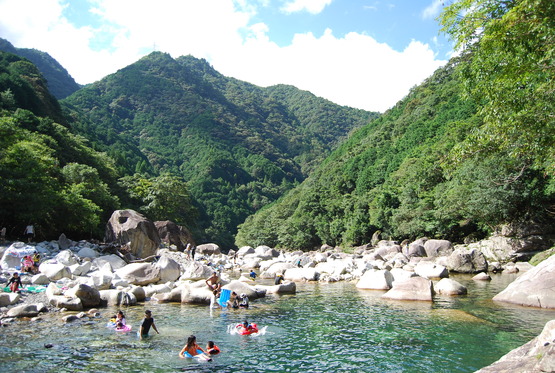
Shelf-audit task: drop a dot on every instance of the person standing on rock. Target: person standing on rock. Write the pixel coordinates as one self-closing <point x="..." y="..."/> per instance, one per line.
<point x="188" y="250"/>
<point x="29" y="232"/>
<point x="193" y="249"/>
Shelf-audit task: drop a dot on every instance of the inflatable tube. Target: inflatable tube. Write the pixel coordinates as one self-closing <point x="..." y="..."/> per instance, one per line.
<point x="125" y="328"/>
<point x="200" y="356"/>
<point x="246" y="331"/>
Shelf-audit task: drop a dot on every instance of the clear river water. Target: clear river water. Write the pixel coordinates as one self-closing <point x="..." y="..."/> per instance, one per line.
<point x="322" y="328"/>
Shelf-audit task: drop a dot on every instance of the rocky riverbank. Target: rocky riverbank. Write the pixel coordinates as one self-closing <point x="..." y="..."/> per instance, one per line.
<point x="80" y="276"/>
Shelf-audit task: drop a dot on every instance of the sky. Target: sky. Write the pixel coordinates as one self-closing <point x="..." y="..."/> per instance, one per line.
<point x="366" y="54"/>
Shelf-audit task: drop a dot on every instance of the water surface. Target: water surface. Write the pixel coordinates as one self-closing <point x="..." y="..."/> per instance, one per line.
<point x="323" y="328"/>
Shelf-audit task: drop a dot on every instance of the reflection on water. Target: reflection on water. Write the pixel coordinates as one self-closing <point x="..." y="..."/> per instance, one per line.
<point x="323" y="328"/>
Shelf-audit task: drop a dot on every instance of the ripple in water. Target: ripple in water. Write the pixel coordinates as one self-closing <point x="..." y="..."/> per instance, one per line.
<point x="323" y="328"/>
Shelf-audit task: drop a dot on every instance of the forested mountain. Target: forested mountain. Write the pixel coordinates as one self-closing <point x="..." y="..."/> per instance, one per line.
<point x="469" y="149"/>
<point x="237" y="146"/>
<point x="50" y="177"/>
<point x="59" y="82"/>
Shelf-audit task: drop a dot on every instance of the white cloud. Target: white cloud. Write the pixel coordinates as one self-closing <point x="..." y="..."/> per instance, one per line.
<point x="311" y="6"/>
<point x="432" y="10"/>
<point x="353" y="70"/>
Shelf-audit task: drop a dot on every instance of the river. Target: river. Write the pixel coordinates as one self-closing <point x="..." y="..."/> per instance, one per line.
<point x="322" y="328"/>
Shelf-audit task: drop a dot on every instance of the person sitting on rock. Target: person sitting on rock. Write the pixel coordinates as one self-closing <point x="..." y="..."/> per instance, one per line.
<point x="213" y="282"/>
<point x="27" y="264"/>
<point x="14" y="283"/>
<point x="253" y="275"/>
<point x="244" y="301"/>
<point x="233" y="302"/>
<point x="279" y="279"/>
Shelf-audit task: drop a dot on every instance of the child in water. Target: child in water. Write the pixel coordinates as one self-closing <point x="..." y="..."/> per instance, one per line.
<point x="120" y="318"/>
<point x="212" y="349"/>
<point x="192" y="348"/>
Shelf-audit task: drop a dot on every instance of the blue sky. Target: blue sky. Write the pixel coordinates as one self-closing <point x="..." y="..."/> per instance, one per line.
<point x="361" y="53"/>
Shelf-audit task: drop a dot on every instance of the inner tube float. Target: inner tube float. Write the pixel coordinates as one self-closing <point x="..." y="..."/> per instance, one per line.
<point x="125" y="328"/>
<point x="200" y="356"/>
<point x="251" y="329"/>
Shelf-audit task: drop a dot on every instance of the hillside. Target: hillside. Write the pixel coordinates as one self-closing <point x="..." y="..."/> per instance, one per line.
<point x="238" y="146"/>
<point x="51" y="177"/>
<point x="59" y="82"/>
<point x="403" y="174"/>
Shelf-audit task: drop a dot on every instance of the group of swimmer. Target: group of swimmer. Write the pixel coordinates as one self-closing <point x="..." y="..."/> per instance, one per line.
<point x="118" y="321"/>
<point x="192" y="349"/>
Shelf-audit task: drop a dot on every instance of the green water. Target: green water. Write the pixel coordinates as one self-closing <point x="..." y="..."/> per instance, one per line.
<point x="322" y="328"/>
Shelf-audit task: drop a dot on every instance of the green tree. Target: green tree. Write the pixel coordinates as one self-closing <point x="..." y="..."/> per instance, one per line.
<point x="508" y="67"/>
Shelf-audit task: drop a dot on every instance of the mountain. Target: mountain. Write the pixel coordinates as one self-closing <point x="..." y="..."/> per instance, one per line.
<point x="238" y="146"/>
<point x="51" y="177"/>
<point x="408" y="175"/>
<point x="60" y="83"/>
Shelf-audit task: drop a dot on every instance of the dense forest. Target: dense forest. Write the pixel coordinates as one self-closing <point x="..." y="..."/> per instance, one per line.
<point x="50" y="176"/>
<point x="469" y="149"/>
<point x="237" y="146"/>
<point x="171" y="138"/>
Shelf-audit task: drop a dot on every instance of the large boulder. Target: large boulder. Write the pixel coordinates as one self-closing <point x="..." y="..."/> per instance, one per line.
<point x="114" y="261"/>
<point x="138" y="292"/>
<point x="90" y="297"/>
<point x="301" y="274"/>
<point x="196" y="293"/>
<point x="430" y="270"/>
<point x="285" y="288"/>
<point x="536" y="356"/>
<point x="415" y="249"/>
<point x="435" y="248"/>
<point x="13" y="254"/>
<point x="87" y="252"/>
<point x="67" y="258"/>
<point x="244" y="250"/>
<point x="132" y="230"/>
<point x="54" y="271"/>
<point x="173" y="234"/>
<point x="114" y="297"/>
<point x="169" y="269"/>
<point x="534" y="288"/>
<point x="447" y="286"/>
<point x="70" y="304"/>
<point x="208" y="249"/>
<point x="40" y="279"/>
<point x="27" y="310"/>
<point x="376" y="280"/>
<point x="274" y="269"/>
<point x="414" y="288"/>
<point x="100" y="280"/>
<point x="80" y="269"/>
<point x="7" y="299"/>
<point x="465" y="260"/>
<point x="195" y="271"/>
<point x="140" y="273"/>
